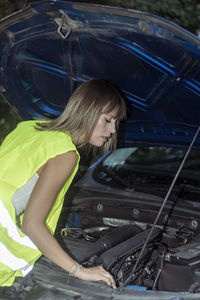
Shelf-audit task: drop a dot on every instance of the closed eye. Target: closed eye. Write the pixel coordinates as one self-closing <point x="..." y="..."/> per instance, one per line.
<point x="108" y="121"/>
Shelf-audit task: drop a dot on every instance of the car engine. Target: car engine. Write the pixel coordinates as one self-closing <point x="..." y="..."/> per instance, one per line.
<point x="170" y="260"/>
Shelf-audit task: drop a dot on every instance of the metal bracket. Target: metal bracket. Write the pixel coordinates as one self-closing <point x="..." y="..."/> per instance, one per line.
<point x="65" y="25"/>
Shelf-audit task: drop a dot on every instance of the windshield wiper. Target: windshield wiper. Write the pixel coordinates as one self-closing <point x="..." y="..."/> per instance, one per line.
<point x="188" y="187"/>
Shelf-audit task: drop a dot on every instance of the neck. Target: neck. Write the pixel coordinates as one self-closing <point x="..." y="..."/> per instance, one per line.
<point x="78" y="140"/>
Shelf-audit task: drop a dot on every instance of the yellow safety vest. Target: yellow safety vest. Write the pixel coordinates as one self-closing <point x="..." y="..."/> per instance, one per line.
<point x="22" y="153"/>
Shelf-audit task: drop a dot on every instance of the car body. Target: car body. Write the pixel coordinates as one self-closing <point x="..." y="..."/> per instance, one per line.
<point x="136" y="211"/>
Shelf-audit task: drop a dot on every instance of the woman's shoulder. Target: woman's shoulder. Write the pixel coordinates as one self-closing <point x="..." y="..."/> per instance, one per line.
<point x="32" y="125"/>
<point x="53" y="138"/>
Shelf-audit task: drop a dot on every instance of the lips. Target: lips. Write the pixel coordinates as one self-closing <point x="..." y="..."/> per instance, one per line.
<point x="106" y="138"/>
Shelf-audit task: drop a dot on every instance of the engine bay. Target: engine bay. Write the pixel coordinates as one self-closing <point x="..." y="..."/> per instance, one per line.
<point x="169" y="262"/>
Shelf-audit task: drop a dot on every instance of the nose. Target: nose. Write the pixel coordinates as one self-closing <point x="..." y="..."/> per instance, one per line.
<point x="112" y="128"/>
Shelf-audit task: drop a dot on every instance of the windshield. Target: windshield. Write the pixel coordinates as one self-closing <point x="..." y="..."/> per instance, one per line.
<point x="151" y="169"/>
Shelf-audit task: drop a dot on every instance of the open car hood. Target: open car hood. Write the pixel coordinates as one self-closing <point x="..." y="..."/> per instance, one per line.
<point x="50" y="47"/>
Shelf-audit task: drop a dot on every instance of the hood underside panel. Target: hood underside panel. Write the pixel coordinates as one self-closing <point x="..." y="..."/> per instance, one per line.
<point x="49" y="48"/>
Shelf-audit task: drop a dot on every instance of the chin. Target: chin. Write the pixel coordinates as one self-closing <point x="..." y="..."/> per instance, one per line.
<point x="97" y="143"/>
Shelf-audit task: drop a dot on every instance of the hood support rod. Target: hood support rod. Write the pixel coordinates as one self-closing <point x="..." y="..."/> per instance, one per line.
<point x="161" y="209"/>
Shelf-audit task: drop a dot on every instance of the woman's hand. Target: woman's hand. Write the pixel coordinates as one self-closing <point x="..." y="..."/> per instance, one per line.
<point x="96" y="274"/>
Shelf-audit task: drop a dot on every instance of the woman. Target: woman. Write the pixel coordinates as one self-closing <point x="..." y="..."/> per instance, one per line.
<point x="38" y="162"/>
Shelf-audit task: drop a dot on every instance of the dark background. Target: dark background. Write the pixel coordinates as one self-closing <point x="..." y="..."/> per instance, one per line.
<point x="185" y="13"/>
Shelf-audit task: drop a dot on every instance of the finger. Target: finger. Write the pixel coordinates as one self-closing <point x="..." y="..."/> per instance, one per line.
<point x="110" y="280"/>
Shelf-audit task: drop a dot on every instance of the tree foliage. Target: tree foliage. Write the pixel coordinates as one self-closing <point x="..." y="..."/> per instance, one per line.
<point x="9" y="6"/>
<point x="8" y="119"/>
<point x="185" y="13"/>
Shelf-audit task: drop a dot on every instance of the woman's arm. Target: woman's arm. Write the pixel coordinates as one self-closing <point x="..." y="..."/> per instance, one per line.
<point x="51" y="179"/>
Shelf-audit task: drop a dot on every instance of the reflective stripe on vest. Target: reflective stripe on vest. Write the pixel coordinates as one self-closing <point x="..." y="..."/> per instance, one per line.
<point x="7" y="222"/>
<point x="14" y="263"/>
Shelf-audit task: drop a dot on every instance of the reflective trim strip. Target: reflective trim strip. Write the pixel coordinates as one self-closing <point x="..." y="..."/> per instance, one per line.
<point x="7" y="222"/>
<point x="14" y="263"/>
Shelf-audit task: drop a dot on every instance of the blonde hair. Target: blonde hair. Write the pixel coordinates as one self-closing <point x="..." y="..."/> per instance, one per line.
<point x="83" y="110"/>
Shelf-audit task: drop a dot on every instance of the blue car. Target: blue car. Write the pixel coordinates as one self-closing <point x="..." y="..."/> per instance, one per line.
<point x="135" y="211"/>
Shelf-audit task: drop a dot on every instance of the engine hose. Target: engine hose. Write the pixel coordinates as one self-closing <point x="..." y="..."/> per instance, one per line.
<point x="130" y="246"/>
<point x="105" y="242"/>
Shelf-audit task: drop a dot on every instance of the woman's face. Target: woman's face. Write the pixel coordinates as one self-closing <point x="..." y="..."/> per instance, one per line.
<point x="105" y="127"/>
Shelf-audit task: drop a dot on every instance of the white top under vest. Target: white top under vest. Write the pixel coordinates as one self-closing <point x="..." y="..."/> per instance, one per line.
<point x="22" y="195"/>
